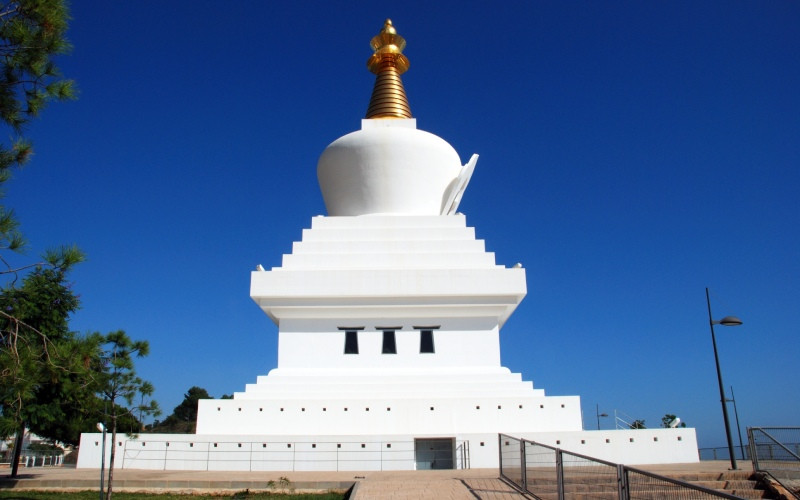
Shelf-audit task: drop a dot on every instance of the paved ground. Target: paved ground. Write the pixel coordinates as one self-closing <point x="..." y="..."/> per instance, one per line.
<point x="470" y="484"/>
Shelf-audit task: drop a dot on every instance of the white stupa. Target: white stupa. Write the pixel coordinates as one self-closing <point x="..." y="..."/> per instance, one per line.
<point x="389" y="314"/>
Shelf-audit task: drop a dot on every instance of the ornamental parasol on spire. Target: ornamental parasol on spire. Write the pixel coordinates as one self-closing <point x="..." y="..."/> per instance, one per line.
<point x="388" y="63"/>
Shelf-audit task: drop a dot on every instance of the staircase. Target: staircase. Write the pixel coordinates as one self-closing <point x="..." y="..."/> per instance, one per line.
<point x="741" y="484"/>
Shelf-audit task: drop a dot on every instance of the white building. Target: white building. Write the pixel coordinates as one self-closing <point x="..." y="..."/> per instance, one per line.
<point x="389" y="314"/>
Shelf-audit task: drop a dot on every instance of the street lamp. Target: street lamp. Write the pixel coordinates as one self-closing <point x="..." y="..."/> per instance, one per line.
<point x="738" y="429"/>
<point x="597" y="412"/>
<point x="726" y="321"/>
<point x="102" y="428"/>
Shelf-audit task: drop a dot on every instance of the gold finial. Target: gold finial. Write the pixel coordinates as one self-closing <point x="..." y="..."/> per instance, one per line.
<point x="388" y="63"/>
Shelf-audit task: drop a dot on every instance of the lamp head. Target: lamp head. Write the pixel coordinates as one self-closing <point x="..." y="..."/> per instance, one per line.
<point x="100" y="427"/>
<point x="730" y="321"/>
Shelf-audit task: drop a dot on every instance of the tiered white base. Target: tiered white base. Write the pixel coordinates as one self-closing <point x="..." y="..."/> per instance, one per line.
<point x="328" y="408"/>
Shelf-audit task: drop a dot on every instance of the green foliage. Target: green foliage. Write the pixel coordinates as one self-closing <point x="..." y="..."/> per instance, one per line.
<point x="638" y="424"/>
<point x="183" y="419"/>
<point x="35" y="343"/>
<point x="46" y="448"/>
<point x="117" y="382"/>
<point x="119" y="385"/>
<point x="41" y="376"/>
<point x="41" y="360"/>
<point x="668" y="418"/>
<point x="32" y="33"/>
<point x="187" y="410"/>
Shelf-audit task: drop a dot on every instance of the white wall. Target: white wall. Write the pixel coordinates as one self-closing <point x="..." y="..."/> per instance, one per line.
<point x="372" y="452"/>
<point x="627" y="446"/>
<point x="320" y="344"/>
<point x="354" y="414"/>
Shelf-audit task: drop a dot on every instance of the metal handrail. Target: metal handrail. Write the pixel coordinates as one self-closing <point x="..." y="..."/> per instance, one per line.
<point x="754" y="445"/>
<point x="287" y="452"/>
<point x="462" y="455"/>
<point x="678" y="482"/>
<point x="623" y="483"/>
<point x="784" y="470"/>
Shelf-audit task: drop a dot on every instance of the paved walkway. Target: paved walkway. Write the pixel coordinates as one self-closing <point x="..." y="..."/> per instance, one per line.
<point x="483" y="484"/>
<point x="441" y="484"/>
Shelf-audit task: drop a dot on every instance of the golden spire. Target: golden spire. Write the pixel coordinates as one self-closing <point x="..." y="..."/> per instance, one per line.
<point x="388" y="63"/>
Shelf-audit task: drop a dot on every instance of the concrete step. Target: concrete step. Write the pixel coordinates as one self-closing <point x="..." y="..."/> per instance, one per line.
<point x="591" y="485"/>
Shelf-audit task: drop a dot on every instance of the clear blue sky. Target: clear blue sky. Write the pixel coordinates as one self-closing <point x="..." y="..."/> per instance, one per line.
<point x="632" y="153"/>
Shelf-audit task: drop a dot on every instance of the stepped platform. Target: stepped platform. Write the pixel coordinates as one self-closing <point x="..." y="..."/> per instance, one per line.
<point x="429" y="484"/>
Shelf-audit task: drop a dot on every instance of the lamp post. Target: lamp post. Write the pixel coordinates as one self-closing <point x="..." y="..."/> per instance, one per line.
<point x="102" y="428"/>
<point x="726" y="321"/>
<point x="738" y="429"/>
<point x="597" y="412"/>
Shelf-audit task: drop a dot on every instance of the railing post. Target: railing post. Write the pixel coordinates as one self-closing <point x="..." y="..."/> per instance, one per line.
<point x="500" y="452"/>
<point x="523" y="467"/>
<point x="560" y="474"/>
<point x="751" y="443"/>
<point x="622" y="483"/>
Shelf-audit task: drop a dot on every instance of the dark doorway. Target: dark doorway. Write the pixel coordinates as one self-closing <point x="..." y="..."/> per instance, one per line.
<point x="434" y="453"/>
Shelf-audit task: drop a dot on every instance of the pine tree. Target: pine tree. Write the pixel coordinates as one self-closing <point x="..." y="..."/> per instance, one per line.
<point x="32" y="33"/>
<point x="37" y="349"/>
<point x="119" y="385"/>
<point x="41" y="382"/>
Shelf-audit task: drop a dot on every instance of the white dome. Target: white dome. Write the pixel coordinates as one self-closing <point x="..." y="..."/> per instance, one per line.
<point x="387" y="167"/>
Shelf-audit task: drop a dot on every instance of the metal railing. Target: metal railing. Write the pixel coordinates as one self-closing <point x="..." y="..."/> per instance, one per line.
<point x="36" y="459"/>
<point x="776" y="451"/>
<point x="462" y="455"/>
<point x="740" y="452"/>
<point x="547" y="472"/>
<point x="278" y="455"/>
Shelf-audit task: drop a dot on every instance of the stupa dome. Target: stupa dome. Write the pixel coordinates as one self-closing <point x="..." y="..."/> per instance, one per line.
<point x="390" y="167"/>
<point x="387" y="169"/>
